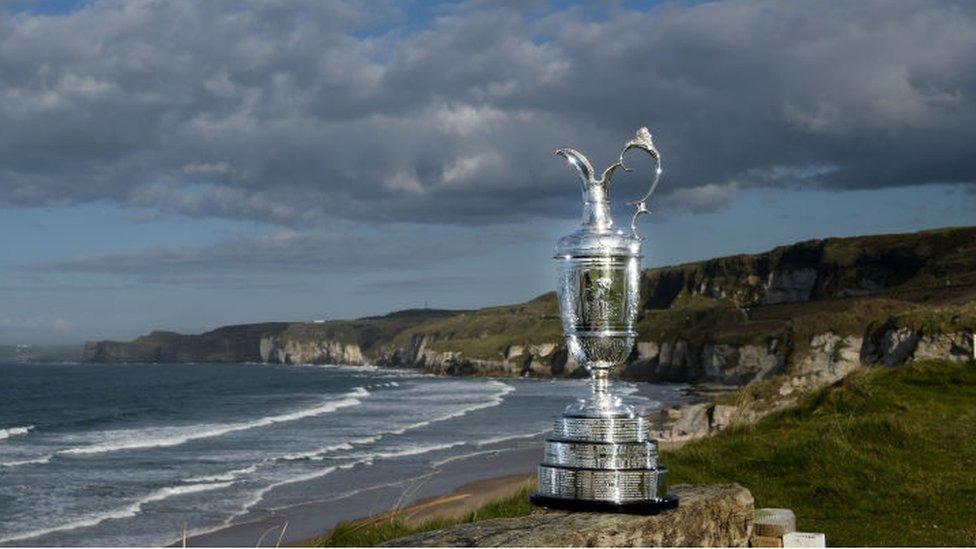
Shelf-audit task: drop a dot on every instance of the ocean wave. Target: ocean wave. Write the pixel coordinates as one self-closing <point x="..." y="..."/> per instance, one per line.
<point x="495" y="400"/>
<point x="506" y="438"/>
<point x="226" y="476"/>
<point x="321" y="453"/>
<point x="15" y="431"/>
<point x="160" y="437"/>
<point x="29" y="461"/>
<point x="347" y="367"/>
<point x="130" y="510"/>
<point x="413" y="450"/>
<point x="357" y="459"/>
<point x="259" y="494"/>
<point x="445" y="461"/>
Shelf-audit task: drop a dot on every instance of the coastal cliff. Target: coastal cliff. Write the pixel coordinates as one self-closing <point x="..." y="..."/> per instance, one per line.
<point x="814" y="309"/>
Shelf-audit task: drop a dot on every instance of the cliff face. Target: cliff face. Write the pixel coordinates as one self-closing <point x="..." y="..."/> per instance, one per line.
<point x="228" y="344"/>
<point x="815" y="308"/>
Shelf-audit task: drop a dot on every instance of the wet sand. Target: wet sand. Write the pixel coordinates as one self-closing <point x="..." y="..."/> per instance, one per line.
<point x="455" y="505"/>
<point x="452" y="489"/>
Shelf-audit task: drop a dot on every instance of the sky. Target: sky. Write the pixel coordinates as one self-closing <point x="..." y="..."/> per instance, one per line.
<point x="186" y="165"/>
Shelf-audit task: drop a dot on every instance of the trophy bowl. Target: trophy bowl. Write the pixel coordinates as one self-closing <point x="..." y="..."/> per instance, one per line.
<point x="598" y="300"/>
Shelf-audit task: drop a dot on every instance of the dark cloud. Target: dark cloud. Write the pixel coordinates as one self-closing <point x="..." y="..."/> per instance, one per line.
<point x="300" y="114"/>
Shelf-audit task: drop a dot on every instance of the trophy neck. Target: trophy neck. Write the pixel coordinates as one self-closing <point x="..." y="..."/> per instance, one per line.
<point x="596" y="216"/>
<point x="596" y="206"/>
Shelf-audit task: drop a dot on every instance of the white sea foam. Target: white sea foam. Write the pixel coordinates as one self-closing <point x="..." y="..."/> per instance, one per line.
<point x="28" y="461"/>
<point x="15" y="431"/>
<point x="159" y="437"/>
<point x="359" y="459"/>
<point x="495" y="400"/>
<point x="259" y="494"/>
<point x="130" y="510"/>
<point x="506" y="438"/>
<point x="321" y="453"/>
<point x="445" y="461"/>
<point x="348" y="367"/>
<point x="414" y="450"/>
<point x="233" y="474"/>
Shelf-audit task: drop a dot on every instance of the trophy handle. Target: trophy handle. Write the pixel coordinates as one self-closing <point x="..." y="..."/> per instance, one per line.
<point x="643" y="142"/>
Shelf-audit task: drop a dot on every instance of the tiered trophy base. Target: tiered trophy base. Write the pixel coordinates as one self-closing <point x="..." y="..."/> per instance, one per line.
<point x="604" y="464"/>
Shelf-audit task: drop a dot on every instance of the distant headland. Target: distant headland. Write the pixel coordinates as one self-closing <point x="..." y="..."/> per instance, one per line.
<point x="818" y="306"/>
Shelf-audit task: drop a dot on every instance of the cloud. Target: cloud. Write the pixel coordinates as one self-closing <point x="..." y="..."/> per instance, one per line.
<point x="277" y="260"/>
<point x="303" y="113"/>
<point x="703" y="199"/>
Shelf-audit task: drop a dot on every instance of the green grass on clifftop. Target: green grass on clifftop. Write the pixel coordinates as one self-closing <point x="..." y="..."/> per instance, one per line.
<point x="887" y="457"/>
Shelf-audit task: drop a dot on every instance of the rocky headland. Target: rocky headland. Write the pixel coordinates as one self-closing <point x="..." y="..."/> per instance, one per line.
<point x="811" y="310"/>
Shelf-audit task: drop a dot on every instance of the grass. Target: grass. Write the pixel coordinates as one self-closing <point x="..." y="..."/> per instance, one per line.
<point x="369" y="533"/>
<point x="885" y="457"/>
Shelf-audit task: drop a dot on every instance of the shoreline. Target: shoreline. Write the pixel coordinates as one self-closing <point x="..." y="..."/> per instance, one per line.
<point x="458" y="486"/>
<point x="456" y="504"/>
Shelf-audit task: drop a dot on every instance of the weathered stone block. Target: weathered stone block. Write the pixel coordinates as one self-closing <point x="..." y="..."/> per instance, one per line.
<point x="709" y="516"/>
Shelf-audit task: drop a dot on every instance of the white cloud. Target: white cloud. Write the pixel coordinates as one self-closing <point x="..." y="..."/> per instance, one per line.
<point x="707" y="198"/>
<point x="467" y="168"/>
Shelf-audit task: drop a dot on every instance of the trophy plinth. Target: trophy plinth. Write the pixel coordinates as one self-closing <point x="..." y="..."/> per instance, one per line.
<point x="599" y="457"/>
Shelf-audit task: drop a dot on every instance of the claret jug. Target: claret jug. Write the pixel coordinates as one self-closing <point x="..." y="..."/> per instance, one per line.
<point x="600" y="456"/>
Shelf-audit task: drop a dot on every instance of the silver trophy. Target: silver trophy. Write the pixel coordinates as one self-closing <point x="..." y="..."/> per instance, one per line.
<point x="599" y="456"/>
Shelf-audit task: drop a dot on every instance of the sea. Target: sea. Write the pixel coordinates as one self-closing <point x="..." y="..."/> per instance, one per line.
<point x="134" y="454"/>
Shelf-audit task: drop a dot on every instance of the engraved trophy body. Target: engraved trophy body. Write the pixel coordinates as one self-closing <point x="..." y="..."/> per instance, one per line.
<point x="599" y="456"/>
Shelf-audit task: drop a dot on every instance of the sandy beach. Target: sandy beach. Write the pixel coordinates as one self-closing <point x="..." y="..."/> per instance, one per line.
<point x="452" y="489"/>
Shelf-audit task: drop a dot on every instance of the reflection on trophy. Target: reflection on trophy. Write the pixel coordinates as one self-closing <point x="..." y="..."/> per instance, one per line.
<point x="599" y="457"/>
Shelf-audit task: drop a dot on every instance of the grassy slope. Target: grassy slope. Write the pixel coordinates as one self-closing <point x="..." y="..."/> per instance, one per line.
<point x="372" y="533"/>
<point x="485" y="333"/>
<point x="887" y="457"/>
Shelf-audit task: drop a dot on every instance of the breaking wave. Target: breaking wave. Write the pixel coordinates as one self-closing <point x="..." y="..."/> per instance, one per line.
<point x="15" y="431"/>
<point x="160" y="437"/>
<point x="506" y="438"/>
<point x="130" y="510"/>
<point x="493" y="401"/>
<point x="28" y="461"/>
